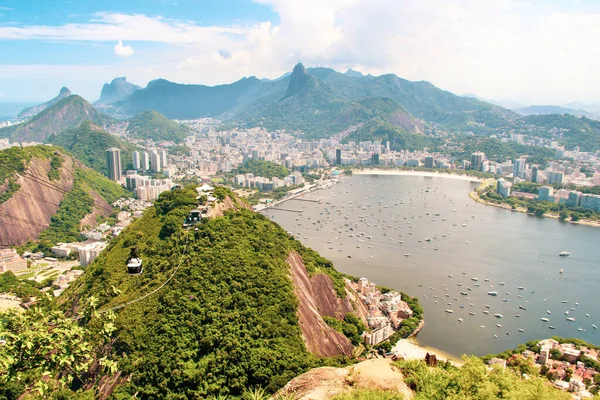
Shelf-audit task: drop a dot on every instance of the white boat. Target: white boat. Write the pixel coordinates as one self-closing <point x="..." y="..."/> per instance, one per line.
<point x="564" y="254"/>
<point x="594" y="326"/>
<point x="521" y="330"/>
<point x="548" y="312"/>
<point x="499" y="326"/>
<point x="552" y="327"/>
<point x="564" y="301"/>
<point x="498" y="315"/>
<point x="545" y="320"/>
<point x="449" y="311"/>
<point x="460" y="320"/>
<point x="493" y="293"/>
<point x="486" y="312"/>
<point x="571" y="319"/>
<point x="471" y="313"/>
<point x="474" y="279"/>
<point x="406" y="255"/>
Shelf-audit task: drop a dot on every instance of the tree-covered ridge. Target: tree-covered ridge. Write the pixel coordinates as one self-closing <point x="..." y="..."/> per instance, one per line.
<point x="399" y="138"/>
<point x="227" y="318"/>
<point x="153" y="125"/>
<point x="572" y="131"/>
<point x="88" y="143"/>
<point x="266" y="169"/>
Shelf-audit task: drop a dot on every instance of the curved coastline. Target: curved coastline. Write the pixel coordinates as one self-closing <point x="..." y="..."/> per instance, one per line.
<point x="474" y="195"/>
<point x="399" y="172"/>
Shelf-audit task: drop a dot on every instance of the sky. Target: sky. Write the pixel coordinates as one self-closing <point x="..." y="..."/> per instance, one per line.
<point x="530" y="51"/>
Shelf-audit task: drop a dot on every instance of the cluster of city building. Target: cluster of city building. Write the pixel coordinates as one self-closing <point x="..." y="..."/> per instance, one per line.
<point x="265" y="184"/>
<point x="10" y="260"/>
<point x="568" y="372"/>
<point x="386" y="311"/>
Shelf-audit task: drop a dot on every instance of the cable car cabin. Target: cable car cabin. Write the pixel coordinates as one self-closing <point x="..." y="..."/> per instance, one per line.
<point x="193" y="218"/>
<point x="134" y="266"/>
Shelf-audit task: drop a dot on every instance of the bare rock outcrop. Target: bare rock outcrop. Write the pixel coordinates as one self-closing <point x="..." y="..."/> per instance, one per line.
<point x="316" y="298"/>
<point x="326" y="382"/>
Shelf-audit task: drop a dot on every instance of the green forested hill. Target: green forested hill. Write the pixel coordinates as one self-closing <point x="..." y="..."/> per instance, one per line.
<point x="153" y="125"/>
<point x="67" y="113"/>
<point x="225" y="321"/>
<point x="88" y="143"/>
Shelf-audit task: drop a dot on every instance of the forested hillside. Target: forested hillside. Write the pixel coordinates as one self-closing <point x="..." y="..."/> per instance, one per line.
<point x="225" y="320"/>
<point x="155" y="126"/>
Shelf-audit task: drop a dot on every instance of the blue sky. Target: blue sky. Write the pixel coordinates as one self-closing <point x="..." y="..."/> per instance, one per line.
<point x="533" y="51"/>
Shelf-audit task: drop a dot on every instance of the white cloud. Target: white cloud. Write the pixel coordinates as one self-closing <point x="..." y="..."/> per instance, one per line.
<point x="534" y="51"/>
<point x="122" y="50"/>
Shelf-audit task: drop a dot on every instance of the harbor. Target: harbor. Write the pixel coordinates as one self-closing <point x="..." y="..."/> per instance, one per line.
<point x="424" y="236"/>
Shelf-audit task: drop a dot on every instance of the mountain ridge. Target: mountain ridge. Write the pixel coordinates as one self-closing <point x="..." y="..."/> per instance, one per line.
<point x="31" y="111"/>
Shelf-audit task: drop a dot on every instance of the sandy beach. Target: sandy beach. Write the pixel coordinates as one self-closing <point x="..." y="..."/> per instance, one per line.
<point x="411" y="349"/>
<point x="414" y="173"/>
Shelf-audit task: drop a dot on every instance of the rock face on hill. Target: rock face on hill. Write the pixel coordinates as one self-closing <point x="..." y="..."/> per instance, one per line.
<point x="317" y="298"/>
<point x="49" y="190"/>
<point x="327" y="382"/>
<point x="31" y="111"/>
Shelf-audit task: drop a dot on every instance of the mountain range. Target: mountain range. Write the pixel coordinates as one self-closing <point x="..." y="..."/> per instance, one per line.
<point x="31" y="111"/>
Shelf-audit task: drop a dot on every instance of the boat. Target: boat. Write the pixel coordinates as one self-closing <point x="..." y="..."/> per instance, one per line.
<point x="482" y="326"/>
<point x="571" y="319"/>
<point x="487" y="306"/>
<point x="449" y="311"/>
<point x="521" y="288"/>
<point x="493" y="293"/>
<point x="471" y="313"/>
<point x="406" y="255"/>
<point x="587" y="315"/>
<point x="460" y="320"/>
<point x="499" y="326"/>
<point x="474" y="279"/>
<point x="552" y="327"/>
<point x="545" y="320"/>
<point x="561" y="271"/>
<point x="548" y="312"/>
<point x="594" y="326"/>
<point x="564" y="301"/>
<point x="564" y="254"/>
<point x="505" y="300"/>
<point x="580" y="329"/>
<point x="518" y="315"/>
<point x="523" y="308"/>
<point x="501" y="283"/>
<point x="498" y="315"/>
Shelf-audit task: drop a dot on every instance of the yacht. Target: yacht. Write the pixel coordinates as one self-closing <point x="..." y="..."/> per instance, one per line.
<point x="501" y="283"/>
<point x="594" y="326"/>
<point x="545" y="319"/>
<point x="564" y="254"/>
<point x="486" y="312"/>
<point x="449" y="311"/>
<point x="498" y="315"/>
<point x="493" y="293"/>
<point x="460" y="320"/>
<point x="552" y="327"/>
<point x="548" y="312"/>
<point x="571" y="319"/>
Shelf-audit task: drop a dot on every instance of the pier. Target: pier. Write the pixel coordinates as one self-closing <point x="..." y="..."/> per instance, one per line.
<point x="309" y="200"/>
<point x="286" y="209"/>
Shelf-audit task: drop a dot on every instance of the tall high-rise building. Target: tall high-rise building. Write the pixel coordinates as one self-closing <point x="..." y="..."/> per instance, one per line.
<point x="113" y="159"/>
<point x="555" y="178"/>
<point x="375" y="159"/>
<point x="535" y="174"/>
<point x="145" y="161"/>
<point x="155" y="161"/>
<point x="136" y="160"/>
<point x="477" y="160"/>
<point x="338" y="156"/>
<point x="519" y="167"/>
<point x="429" y="162"/>
<point x="163" y="158"/>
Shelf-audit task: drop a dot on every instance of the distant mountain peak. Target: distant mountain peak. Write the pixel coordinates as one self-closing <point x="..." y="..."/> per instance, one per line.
<point x="31" y="111"/>
<point x="298" y="80"/>
<point x="64" y="92"/>
<point x="116" y="90"/>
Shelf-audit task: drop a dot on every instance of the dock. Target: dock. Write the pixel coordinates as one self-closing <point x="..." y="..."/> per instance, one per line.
<point x="286" y="209"/>
<point x="309" y="200"/>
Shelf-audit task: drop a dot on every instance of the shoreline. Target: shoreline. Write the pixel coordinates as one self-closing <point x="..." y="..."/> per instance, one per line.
<point x="411" y="349"/>
<point x="474" y="195"/>
<point x="415" y="173"/>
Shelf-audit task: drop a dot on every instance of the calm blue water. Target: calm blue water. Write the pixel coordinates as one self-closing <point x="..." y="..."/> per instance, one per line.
<point x="494" y="244"/>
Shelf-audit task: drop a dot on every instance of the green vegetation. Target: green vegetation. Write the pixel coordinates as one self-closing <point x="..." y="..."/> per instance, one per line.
<point x="474" y="381"/>
<point x="227" y="319"/>
<point x="568" y="130"/>
<point x="88" y="143"/>
<point x="407" y="327"/>
<point x="266" y="169"/>
<point x="21" y="287"/>
<point x="153" y="125"/>
<point x="499" y="151"/>
<point x="399" y="138"/>
<point x="47" y="355"/>
<point x="351" y="327"/>
<point x="11" y="189"/>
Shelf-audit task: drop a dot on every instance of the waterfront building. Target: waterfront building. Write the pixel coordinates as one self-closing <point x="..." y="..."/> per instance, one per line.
<point x="429" y="162"/>
<point x="546" y="193"/>
<point x="590" y="201"/>
<point x="113" y="160"/>
<point x="519" y="167"/>
<point x="503" y="187"/>
<point x="574" y="199"/>
<point x="477" y="159"/>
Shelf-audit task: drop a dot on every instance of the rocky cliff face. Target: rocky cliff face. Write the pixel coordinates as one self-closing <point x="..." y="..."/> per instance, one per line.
<point x="327" y="382"/>
<point x="317" y="298"/>
<point x="28" y="212"/>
